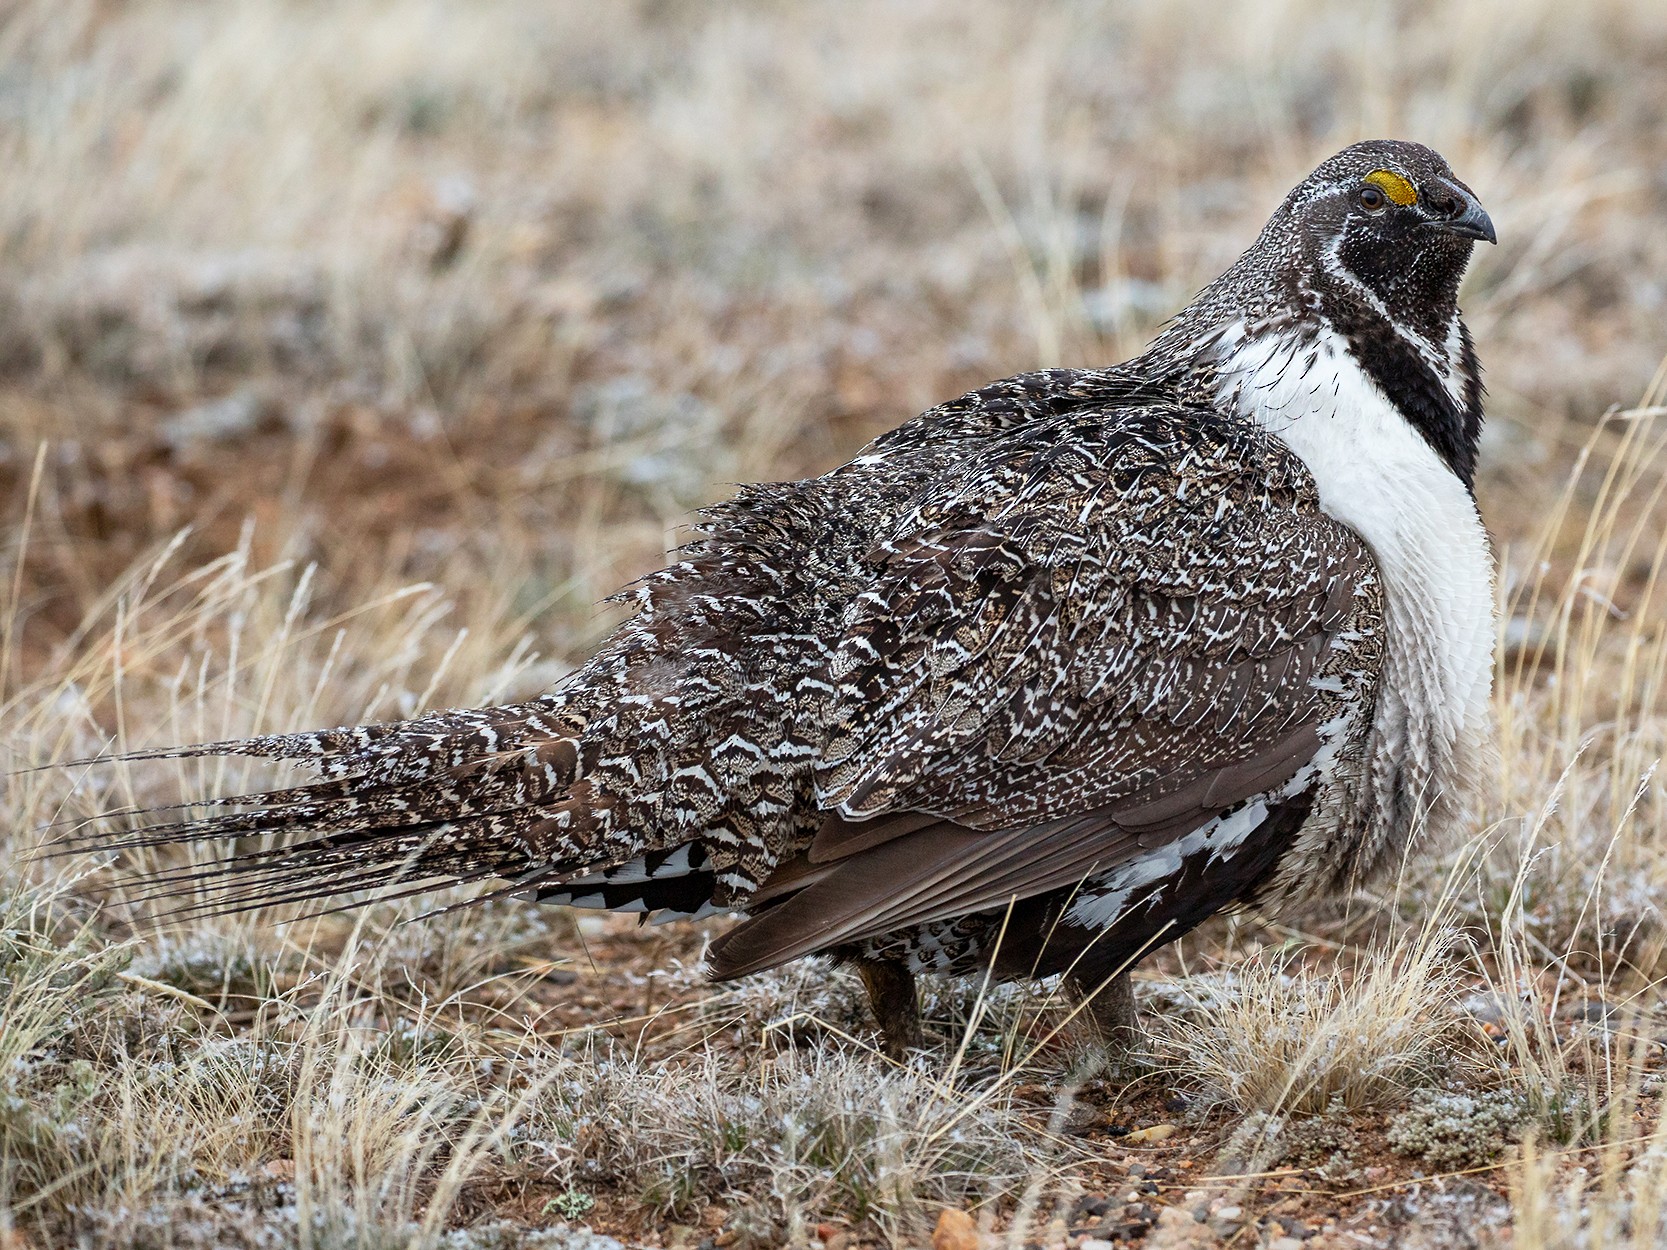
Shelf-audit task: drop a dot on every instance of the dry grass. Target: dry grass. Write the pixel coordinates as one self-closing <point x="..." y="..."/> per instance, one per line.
<point x="1280" y="1038"/>
<point x="350" y="353"/>
<point x="818" y="1132"/>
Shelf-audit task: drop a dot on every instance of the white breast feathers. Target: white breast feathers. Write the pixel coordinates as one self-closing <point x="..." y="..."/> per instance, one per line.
<point x="1377" y="475"/>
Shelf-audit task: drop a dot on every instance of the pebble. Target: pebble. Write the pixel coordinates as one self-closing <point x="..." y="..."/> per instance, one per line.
<point x="1593" y="1011"/>
<point x="955" y="1231"/>
<point x="279" y="1170"/>
<point x="218" y="421"/>
<point x="1156" y="1133"/>
<point x="1495" y="1010"/>
<point x="1177" y="1230"/>
<point x="1284" y="1243"/>
<point x="1227" y="1219"/>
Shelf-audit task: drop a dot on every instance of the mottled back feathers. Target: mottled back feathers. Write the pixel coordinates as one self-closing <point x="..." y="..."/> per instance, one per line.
<point x="1070" y="662"/>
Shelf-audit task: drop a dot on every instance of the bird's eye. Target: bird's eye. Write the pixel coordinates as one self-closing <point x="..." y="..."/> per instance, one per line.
<point x="1372" y="198"/>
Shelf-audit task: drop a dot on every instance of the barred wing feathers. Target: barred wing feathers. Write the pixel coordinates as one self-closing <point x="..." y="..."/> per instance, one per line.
<point x="1030" y="632"/>
<point x="1101" y="635"/>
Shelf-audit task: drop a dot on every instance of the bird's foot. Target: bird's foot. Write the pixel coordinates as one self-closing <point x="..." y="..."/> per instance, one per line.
<point x="891" y="994"/>
<point x="1113" y="1023"/>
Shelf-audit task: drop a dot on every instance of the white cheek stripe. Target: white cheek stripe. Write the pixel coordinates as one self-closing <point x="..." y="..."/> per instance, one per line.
<point x="1443" y="361"/>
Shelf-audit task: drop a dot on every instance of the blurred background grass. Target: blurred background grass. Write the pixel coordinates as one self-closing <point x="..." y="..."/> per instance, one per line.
<point x="431" y="288"/>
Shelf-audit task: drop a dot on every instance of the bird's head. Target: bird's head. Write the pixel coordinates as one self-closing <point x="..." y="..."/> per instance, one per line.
<point x="1387" y="222"/>
<point x="1366" y="252"/>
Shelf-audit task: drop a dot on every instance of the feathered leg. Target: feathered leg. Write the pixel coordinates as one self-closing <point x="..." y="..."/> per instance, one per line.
<point x="891" y="994"/>
<point x="1109" y="1007"/>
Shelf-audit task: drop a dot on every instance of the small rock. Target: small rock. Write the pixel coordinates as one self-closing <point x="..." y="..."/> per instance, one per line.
<point x="1083" y="1119"/>
<point x="1092" y="1207"/>
<point x="1496" y="1012"/>
<point x="1284" y="1243"/>
<point x="1156" y="1133"/>
<point x="1226" y="1220"/>
<point x="224" y="420"/>
<point x="955" y="1231"/>
<point x="278" y="1170"/>
<point x="1096" y="1243"/>
<point x="1177" y="1230"/>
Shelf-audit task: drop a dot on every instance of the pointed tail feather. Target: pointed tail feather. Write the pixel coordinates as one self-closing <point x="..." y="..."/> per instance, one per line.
<point x="447" y="799"/>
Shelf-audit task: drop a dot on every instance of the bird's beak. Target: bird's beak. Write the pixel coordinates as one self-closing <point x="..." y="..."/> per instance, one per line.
<point x="1464" y="216"/>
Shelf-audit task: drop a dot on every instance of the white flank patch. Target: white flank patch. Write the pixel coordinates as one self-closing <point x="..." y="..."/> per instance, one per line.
<point x="1103" y="899"/>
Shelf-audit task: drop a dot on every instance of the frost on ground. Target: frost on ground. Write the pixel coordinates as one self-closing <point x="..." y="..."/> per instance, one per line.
<point x="1458" y="1130"/>
<point x="822" y="1132"/>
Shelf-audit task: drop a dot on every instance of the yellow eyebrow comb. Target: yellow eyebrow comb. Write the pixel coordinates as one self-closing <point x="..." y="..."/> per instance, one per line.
<point x="1397" y="188"/>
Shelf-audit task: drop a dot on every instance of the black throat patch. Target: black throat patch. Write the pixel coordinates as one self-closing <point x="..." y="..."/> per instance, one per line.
<point x="1452" y="429"/>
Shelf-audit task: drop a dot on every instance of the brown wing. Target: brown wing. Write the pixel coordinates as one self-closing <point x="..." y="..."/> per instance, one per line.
<point x="1098" y="647"/>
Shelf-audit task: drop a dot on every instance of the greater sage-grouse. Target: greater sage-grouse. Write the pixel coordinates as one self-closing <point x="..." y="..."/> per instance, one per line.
<point x="1037" y="682"/>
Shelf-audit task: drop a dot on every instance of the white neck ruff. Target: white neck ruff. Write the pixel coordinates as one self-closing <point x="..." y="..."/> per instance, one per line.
<point x="1377" y="475"/>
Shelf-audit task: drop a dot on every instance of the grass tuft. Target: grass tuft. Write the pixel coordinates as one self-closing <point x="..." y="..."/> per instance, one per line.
<point x="1288" y="1038"/>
